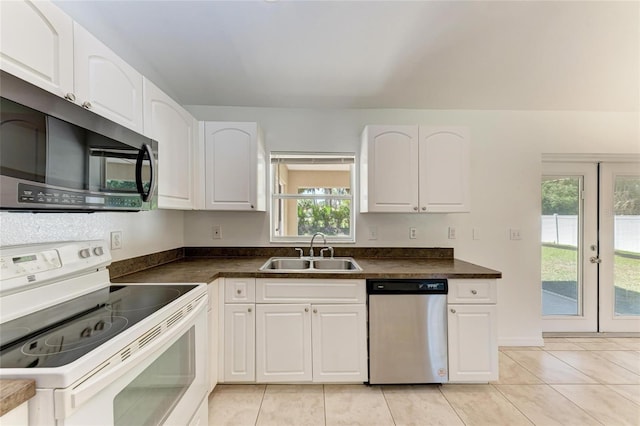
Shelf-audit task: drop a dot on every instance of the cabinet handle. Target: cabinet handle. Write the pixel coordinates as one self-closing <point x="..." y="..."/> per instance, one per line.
<point x="249" y="310"/>
<point x="415" y="209"/>
<point x="453" y="311"/>
<point x="86" y="105"/>
<point x="474" y="292"/>
<point x="306" y="309"/>
<point x="70" y="97"/>
<point x="315" y="311"/>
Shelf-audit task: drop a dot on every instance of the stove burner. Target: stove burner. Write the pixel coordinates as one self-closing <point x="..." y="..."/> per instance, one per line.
<point x="75" y="337"/>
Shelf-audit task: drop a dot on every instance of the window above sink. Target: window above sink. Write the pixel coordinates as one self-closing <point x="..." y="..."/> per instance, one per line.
<point x="312" y="192"/>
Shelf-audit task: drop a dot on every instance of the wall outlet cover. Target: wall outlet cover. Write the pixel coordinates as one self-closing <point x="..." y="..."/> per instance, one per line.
<point x="116" y="240"/>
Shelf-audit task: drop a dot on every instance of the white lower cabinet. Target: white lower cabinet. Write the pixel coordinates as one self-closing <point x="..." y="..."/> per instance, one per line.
<point x="339" y="335"/>
<point x="283" y="343"/>
<point x="214" y="306"/>
<point x="304" y="331"/>
<point x="239" y="342"/>
<point x="472" y="331"/>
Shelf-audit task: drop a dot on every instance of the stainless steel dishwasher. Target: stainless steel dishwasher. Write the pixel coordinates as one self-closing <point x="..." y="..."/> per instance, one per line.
<point x="407" y="331"/>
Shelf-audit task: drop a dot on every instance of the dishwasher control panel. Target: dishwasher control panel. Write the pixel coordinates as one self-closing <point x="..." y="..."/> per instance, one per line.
<point x="408" y="286"/>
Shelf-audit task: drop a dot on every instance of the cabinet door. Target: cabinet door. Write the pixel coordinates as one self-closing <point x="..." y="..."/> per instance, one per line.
<point x="174" y="129"/>
<point x="37" y="44"/>
<point x="214" y="308"/>
<point x="233" y="156"/>
<point x="339" y="343"/>
<point x="283" y="343"/>
<point x="473" y="343"/>
<point x="239" y="343"/>
<point x="391" y="157"/>
<point x="444" y="169"/>
<point x="104" y="83"/>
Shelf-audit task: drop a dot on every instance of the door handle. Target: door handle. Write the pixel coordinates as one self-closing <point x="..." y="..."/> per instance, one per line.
<point x="595" y="259"/>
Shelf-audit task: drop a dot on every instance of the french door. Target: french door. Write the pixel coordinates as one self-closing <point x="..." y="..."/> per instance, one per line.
<point x="590" y="247"/>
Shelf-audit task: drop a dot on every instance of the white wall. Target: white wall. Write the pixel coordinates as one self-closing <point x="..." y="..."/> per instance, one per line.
<point x="506" y="159"/>
<point x="142" y="232"/>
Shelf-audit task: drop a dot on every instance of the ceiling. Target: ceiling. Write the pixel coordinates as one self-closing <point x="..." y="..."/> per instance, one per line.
<point x="515" y="55"/>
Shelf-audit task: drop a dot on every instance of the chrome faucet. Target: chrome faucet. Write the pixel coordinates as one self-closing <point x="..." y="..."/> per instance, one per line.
<point x="324" y="239"/>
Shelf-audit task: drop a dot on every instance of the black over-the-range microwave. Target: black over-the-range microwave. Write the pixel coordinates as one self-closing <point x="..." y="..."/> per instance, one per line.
<point x="58" y="156"/>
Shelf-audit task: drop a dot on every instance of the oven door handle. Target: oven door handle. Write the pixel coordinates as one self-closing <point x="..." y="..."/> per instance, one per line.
<point x="69" y="399"/>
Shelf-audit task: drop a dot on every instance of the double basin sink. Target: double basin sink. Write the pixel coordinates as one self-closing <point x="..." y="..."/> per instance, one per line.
<point x="307" y="264"/>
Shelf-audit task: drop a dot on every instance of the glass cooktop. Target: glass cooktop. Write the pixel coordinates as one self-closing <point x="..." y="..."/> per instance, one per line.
<point x="70" y="339"/>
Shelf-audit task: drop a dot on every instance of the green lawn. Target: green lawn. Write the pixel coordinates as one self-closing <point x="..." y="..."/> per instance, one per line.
<point x="560" y="264"/>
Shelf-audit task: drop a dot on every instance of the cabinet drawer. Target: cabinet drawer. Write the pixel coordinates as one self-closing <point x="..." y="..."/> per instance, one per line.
<point x="239" y="290"/>
<point x="472" y="291"/>
<point x="275" y="290"/>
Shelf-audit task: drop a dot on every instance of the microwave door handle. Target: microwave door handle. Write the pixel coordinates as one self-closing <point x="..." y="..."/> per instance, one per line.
<point x="146" y="149"/>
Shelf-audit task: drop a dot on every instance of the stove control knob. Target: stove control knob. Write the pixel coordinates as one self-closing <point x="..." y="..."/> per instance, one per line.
<point x="98" y="251"/>
<point x="84" y="253"/>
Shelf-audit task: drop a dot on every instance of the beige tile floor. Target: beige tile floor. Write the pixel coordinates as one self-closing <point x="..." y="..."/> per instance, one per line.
<point x="569" y="381"/>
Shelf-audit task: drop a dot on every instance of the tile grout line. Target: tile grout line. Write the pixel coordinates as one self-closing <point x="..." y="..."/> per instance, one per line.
<point x="548" y="386"/>
<point x="511" y="403"/>
<point x="451" y="405"/>
<point x="264" y="391"/>
<point x="384" y="396"/>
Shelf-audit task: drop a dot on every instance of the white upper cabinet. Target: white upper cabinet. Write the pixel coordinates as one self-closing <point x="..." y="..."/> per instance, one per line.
<point x="174" y="129"/>
<point x="37" y="44"/>
<point x="411" y="169"/>
<point x="42" y="45"/>
<point x="104" y="83"/>
<point x="235" y="167"/>
<point x="445" y="169"/>
<point x="389" y="169"/>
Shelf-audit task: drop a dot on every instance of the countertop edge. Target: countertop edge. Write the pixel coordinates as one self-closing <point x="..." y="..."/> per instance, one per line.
<point x="14" y="392"/>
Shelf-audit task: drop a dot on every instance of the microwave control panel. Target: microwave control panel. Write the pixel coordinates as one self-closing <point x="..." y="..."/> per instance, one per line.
<point x="43" y="195"/>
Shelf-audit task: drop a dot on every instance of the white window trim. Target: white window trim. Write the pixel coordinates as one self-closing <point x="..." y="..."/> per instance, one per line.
<point x="273" y="198"/>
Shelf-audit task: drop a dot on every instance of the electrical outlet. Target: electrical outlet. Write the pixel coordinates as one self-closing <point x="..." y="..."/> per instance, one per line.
<point x="373" y="233"/>
<point x="514" y="234"/>
<point x="413" y="233"/>
<point x="116" y="240"/>
<point x="452" y="233"/>
<point x="217" y="232"/>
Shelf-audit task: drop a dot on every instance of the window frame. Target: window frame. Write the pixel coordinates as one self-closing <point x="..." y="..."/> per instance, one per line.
<point x="278" y="199"/>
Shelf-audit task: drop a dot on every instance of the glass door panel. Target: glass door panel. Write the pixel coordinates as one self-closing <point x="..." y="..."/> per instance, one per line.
<point x="568" y="240"/>
<point x="561" y="224"/>
<point x="620" y="248"/>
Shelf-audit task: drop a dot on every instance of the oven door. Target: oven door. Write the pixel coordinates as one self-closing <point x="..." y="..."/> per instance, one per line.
<point x="163" y="383"/>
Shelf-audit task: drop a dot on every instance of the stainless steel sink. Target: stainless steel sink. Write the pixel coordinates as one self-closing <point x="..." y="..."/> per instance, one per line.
<point x="336" y="264"/>
<point x="293" y="264"/>
<point x="297" y="264"/>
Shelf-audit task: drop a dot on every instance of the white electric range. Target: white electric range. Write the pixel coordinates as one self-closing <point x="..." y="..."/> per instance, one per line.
<point x="101" y="354"/>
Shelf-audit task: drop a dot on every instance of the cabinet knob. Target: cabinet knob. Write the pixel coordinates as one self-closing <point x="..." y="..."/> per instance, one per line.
<point x="415" y="209"/>
<point x="239" y="291"/>
<point x="315" y="311"/>
<point x="252" y="206"/>
<point x="453" y="311"/>
<point x="70" y="97"/>
<point x="424" y="208"/>
<point x="86" y="105"/>
<point x="249" y="310"/>
<point x="474" y="292"/>
<point x="306" y="309"/>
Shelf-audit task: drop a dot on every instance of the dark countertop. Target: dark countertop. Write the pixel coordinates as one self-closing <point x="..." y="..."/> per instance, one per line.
<point x="15" y="392"/>
<point x="207" y="269"/>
